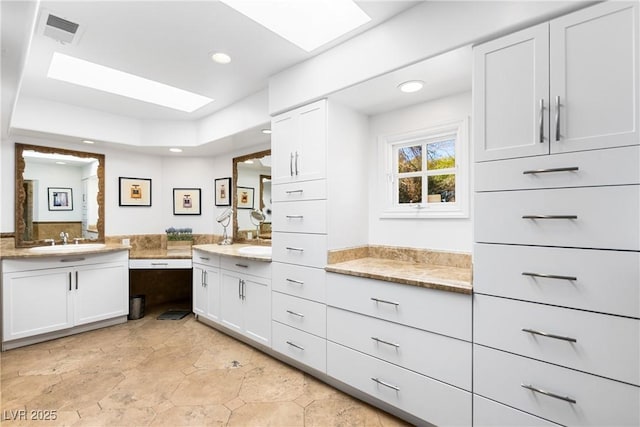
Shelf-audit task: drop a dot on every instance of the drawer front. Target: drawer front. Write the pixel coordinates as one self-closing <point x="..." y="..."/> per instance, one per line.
<point x="299" y="313"/>
<point x="614" y="289"/>
<point x="595" y="350"/>
<point x="446" y="313"/>
<point x="427" y="399"/>
<point x="206" y="258"/>
<point x="443" y="358"/>
<point x="301" y="346"/>
<point x="63" y="261"/>
<point x="598" y="401"/>
<point x="301" y="249"/>
<point x="307" y="190"/>
<point x="246" y="266"/>
<point x="300" y="281"/>
<point x="617" y="166"/>
<point x="607" y="217"/>
<point x="309" y="216"/>
<point x="164" y="264"/>
<point x="487" y="413"/>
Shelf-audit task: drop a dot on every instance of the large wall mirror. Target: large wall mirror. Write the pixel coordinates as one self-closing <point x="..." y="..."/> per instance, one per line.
<point x="252" y="197"/>
<point x="58" y="191"/>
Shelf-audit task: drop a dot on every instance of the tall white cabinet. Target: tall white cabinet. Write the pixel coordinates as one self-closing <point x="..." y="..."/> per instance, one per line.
<point x="557" y="238"/>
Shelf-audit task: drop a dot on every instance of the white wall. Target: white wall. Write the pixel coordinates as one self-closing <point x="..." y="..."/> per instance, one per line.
<point x="432" y="233"/>
<point x="46" y="175"/>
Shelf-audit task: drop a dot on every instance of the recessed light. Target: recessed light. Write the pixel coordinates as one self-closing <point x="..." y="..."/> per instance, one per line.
<point x="175" y="150"/>
<point x="220" y="58"/>
<point x="266" y="131"/>
<point x="411" y="86"/>
<point x="88" y="141"/>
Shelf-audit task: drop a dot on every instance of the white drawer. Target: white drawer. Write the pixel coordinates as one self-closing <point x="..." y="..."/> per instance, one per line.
<point x="604" y="345"/>
<point x="300" y="249"/>
<point x="443" y="358"/>
<point x="616" y="166"/>
<point x="62" y="261"/>
<point x="299" y="313"/>
<point x="598" y="401"/>
<point x="605" y="281"/>
<point x="443" y="312"/>
<point x="607" y="217"/>
<point x="301" y="346"/>
<point x="300" y="281"/>
<point x="206" y="258"/>
<point x="427" y="399"/>
<point x="307" y="190"/>
<point x="246" y="266"/>
<point x="487" y="413"/>
<point x="309" y="216"/>
<point x="161" y="263"/>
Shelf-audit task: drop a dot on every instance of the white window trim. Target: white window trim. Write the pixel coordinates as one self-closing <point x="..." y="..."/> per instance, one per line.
<point x="458" y="209"/>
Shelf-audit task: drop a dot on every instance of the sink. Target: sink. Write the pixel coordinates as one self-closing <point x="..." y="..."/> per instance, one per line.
<point x="67" y="248"/>
<point x="255" y="250"/>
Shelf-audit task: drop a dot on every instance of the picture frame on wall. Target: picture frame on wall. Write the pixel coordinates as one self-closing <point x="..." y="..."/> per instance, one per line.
<point x="223" y="191"/>
<point x="244" y="198"/>
<point x="186" y="201"/>
<point x="60" y="198"/>
<point x="134" y="191"/>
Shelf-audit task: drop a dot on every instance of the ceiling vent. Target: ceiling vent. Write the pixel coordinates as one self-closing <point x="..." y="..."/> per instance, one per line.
<point x="60" y="29"/>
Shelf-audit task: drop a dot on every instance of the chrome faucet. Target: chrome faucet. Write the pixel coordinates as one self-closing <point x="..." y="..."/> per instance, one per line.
<point x="64" y="236"/>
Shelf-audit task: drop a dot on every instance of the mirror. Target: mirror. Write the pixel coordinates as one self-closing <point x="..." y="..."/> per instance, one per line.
<point x="58" y="191"/>
<point x="252" y="184"/>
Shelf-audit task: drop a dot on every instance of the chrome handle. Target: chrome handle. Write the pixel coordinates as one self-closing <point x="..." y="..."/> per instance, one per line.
<point x="244" y="290"/>
<point x="291" y="164"/>
<point x="558" y="118"/>
<point x="548" y="393"/>
<point x="202" y="277"/>
<point x="550" y="276"/>
<point x="294" y="191"/>
<point x="76" y="280"/>
<point x="544" y="334"/>
<point x="204" y="281"/>
<point x="295" y="345"/>
<point x="294" y="249"/>
<point x="295" y="314"/>
<point x="159" y="263"/>
<point x="239" y="289"/>
<point x="549" y="216"/>
<point x="297" y="163"/>
<point x="541" y="121"/>
<point x="297" y="282"/>
<point x="385" y="301"/>
<point x="242" y="265"/>
<point x="376" y="339"/>
<point x="567" y="169"/>
<point x="70" y="280"/>
<point x="71" y="259"/>
<point x="204" y="258"/>
<point x="391" y="386"/>
<point x="295" y="216"/>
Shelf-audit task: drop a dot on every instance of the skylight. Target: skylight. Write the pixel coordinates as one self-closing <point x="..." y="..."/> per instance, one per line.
<point x="308" y="24"/>
<point x="95" y="76"/>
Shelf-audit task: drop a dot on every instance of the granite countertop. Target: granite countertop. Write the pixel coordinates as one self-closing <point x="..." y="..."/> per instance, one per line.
<point x="232" y="250"/>
<point x="71" y="249"/>
<point x="404" y="267"/>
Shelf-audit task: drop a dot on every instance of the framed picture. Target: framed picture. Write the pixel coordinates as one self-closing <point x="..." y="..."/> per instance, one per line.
<point x="223" y="191"/>
<point x="60" y="199"/>
<point x="245" y="198"/>
<point x="186" y="201"/>
<point x="135" y="191"/>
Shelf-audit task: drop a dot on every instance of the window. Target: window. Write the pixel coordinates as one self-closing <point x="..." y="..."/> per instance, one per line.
<point x="426" y="172"/>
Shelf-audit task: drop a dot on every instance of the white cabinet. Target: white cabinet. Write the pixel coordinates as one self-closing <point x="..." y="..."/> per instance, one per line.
<point x="563" y="86"/>
<point x="47" y="295"/>
<point x="206" y="285"/>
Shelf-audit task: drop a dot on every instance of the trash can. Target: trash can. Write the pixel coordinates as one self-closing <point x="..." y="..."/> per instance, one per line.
<point x="136" y="307"/>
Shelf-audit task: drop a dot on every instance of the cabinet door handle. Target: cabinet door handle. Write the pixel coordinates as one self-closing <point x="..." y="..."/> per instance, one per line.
<point x="557" y="118"/>
<point x="239" y="288"/>
<point x="291" y="164"/>
<point x="70" y="280"/>
<point x="550" y="276"/>
<point x="76" y="280"/>
<point x="544" y="334"/>
<point x="243" y="285"/>
<point x="548" y="393"/>
<point x="297" y="282"/>
<point x="71" y="259"/>
<point x="549" y="216"/>
<point x="299" y="347"/>
<point x="541" y="121"/>
<point x="376" y="339"/>
<point x="294" y="191"/>
<point x="297" y="157"/>
<point x="386" y="384"/>
<point x="204" y="280"/>
<point x="295" y="313"/>
<point x="383" y="301"/>
<point x="549" y="170"/>
<point x="295" y="216"/>
<point x="289" y="248"/>
<point x="242" y="265"/>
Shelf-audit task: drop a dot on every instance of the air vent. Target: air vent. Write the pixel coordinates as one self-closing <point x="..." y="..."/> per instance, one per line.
<point x="60" y="29"/>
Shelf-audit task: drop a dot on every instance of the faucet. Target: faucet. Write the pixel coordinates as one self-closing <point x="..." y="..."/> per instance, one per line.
<point x="64" y="236"/>
<point x="53" y="242"/>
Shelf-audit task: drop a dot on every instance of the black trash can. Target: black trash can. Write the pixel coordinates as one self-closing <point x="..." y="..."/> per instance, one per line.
<point x="136" y="307"/>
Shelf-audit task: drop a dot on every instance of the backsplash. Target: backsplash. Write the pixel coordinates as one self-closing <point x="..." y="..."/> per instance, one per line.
<point x="420" y="256"/>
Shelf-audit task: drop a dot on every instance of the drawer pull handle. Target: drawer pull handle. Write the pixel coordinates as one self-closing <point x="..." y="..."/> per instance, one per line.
<point x="391" y="386"/>
<point x="204" y="258"/>
<point x="549" y="216"/>
<point x="295" y="345"/>
<point x="159" y="263"/>
<point x="376" y="339"/>
<point x="385" y="301"/>
<point x="295" y="314"/>
<point x="295" y="216"/>
<point x="548" y="393"/>
<point x="550" y="276"/>
<point x="550" y="170"/>
<point x="294" y="249"/>
<point x="297" y="282"/>
<point x="71" y="259"/>
<point x="294" y="191"/>
<point x="544" y="334"/>
<point x="541" y="121"/>
<point x="242" y="265"/>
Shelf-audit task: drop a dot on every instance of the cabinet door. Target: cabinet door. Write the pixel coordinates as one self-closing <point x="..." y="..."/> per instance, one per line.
<point x="101" y="292"/>
<point x="594" y="77"/>
<point x="257" y="309"/>
<point x="310" y="160"/>
<point x="231" y="300"/>
<point x="200" y="294"/>
<point x="36" y="302"/>
<point x="212" y="286"/>
<point x="511" y="95"/>
<point x="284" y="131"/>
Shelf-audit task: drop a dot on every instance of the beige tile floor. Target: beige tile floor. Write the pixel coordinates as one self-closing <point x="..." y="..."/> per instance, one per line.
<point x="151" y="372"/>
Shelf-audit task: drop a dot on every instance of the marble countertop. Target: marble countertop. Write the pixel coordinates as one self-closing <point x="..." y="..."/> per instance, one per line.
<point x="232" y="250"/>
<point x="16" y="253"/>
<point x="159" y="254"/>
